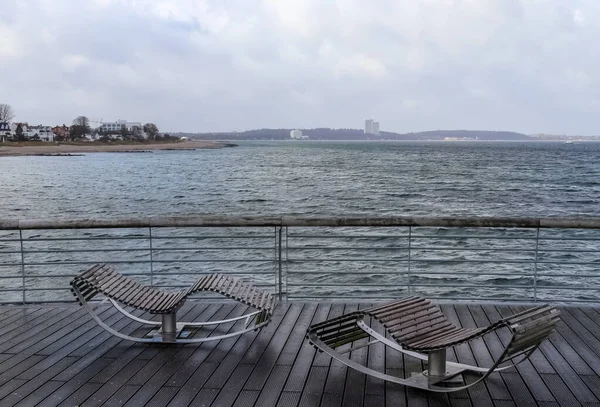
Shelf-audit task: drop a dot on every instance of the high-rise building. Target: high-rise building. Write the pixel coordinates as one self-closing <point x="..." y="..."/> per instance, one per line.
<point x="375" y="128"/>
<point x="369" y="126"/>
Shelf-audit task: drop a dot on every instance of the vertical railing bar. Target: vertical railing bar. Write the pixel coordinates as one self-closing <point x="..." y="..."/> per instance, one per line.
<point x="151" y="258"/>
<point x="275" y="256"/>
<point x="535" y="264"/>
<point x="409" y="257"/>
<point x="22" y="265"/>
<point x="280" y="240"/>
<point x="287" y="264"/>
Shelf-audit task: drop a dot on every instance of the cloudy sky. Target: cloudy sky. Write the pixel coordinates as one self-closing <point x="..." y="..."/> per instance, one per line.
<point x="220" y="65"/>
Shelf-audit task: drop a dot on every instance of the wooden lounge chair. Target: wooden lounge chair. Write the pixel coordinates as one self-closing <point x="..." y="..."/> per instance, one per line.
<point x="119" y="289"/>
<point x="418" y="328"/>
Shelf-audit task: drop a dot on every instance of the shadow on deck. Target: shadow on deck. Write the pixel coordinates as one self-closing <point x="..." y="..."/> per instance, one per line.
<point x="56" y="355"/>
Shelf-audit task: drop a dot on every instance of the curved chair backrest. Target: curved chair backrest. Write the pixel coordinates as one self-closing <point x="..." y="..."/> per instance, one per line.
<point x="529" y="328"/>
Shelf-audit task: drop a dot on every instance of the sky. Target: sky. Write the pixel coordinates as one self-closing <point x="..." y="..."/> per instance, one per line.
<point x="530" y="66"/>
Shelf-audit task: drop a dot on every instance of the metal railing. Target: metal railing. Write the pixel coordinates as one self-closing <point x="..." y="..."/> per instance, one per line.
<point x="483" y="259"/>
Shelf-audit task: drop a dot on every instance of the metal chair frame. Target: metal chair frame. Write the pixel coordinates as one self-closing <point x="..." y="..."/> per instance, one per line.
<point x="529" y="328"/>
<point x="168" y="329"/>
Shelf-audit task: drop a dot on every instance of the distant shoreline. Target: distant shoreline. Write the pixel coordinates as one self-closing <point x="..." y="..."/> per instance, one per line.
<point x="45" y="149"/>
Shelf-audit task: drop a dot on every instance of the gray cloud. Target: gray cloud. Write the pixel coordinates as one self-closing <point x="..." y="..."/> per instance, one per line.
<point x="194" y="65"/>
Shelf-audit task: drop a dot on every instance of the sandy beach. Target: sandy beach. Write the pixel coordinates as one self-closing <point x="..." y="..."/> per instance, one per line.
<point x="50" y="148"/>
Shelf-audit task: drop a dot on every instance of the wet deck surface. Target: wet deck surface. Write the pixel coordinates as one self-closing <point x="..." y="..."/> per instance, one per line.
<point x="57" y="355"/>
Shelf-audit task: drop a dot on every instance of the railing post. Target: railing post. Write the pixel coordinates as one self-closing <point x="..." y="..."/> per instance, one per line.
<point x="22" y="264"/>
<point x="286" y="270"/>
<point x="280" y="263"/>
<point x="535" y="264"/>
<point x="409" y="249"/>
<point x="151" y="262"/>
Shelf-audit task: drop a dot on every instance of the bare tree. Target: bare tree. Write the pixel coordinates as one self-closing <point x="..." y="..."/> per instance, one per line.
<point x="6" y="113"/>
<point x="80" y="127"/>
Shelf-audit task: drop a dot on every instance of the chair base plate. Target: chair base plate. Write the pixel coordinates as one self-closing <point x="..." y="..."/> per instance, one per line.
<point x="157" y="334"/>
<point x="452" y="379"/>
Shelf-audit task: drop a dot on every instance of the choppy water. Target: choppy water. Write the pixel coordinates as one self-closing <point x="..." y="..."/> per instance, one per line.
<point x="310" y="178"/>
<point x="320" y="178"/>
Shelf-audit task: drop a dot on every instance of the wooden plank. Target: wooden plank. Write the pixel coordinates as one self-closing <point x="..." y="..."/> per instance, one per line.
<point x="479" y="347"/>
<point x="291" y="399"/>
<point x="199" y="367"/>
<point x="20" y="323"/>
<point x="202" y="363"/>
<point x="21" y="342"/>
<point x="18" y="365"/>
<point x="273" y="385"/>
<point x="395" y="394"/>
<point x="79" y="337"/>
<point x="108" y="389"/>
<point x="354" y="388"/>
<point x="313" y="390"/>
<point x="582" y="359"/>
<point x="34" y="384"/>
<point x="122" y="396"/>
<point x="543" y="367"/>
<point x="132" y="351"/>
<point x="72" y="386"/>
<point x="16" y="319"/>
<point x="161" y="368"/>
<point x="6" y="313"/>
<point x="580" y="336"/>
<point x="232" y="387"/>
<point x="39" y="394"/>
<point x="285" y="343"/>
<point x="162" y="397"/>
<point x="564" y="368"/>
<point x="69" y="332"/>
<point x="233" y="358"/>
<point x="9" y="386"/>
<point x="198" y="356"/>
<point x="246" y="398"/>
<point x="77" y="398"/>
<point x="479" y="393"/>
<point x="303" y="363"/>
<point x="16" y="323"/>
<point x="336" y="377"/>
<point x="204" y="397"/>
<point x="261" y="359"/>
<point x="236" y="368"/>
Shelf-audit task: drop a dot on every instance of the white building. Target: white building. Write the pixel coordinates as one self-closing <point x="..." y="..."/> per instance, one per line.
<point x="375" y="128"/>
<point x="43" y="133"/>
<point x="371" y="127"/>
<point x="115" y="127"/>
<point x="368" y="126"/>
<point x="296" y="134"/>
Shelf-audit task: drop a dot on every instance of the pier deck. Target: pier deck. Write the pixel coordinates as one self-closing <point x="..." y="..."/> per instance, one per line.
<point x="56" y="355"/>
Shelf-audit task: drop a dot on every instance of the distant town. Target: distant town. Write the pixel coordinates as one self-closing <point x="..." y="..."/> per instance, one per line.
<point x="81" y="129"/>
<point x="86" y="130"/>
<point x="372" y="131"/>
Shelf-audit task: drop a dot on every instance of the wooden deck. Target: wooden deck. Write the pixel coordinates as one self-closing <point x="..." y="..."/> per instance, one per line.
<point x="56" y="355"/>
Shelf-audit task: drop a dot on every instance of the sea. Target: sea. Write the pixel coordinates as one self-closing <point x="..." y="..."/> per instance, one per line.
<point x="315" y="178"/>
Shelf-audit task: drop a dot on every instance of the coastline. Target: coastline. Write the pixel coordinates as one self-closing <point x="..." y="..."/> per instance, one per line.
<point x="76" y="149"/>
